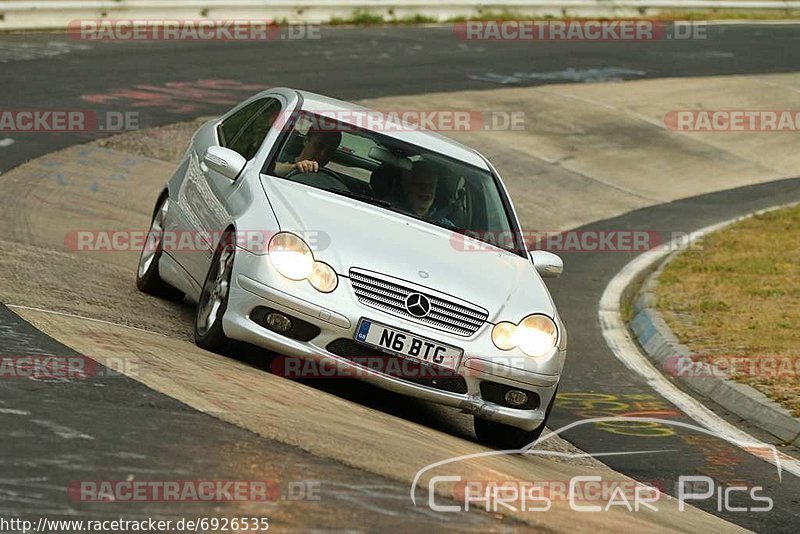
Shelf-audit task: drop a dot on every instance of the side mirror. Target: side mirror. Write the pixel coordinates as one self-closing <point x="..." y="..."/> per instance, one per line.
<point x="547" y="264"/>
<point x="224" y="161"/>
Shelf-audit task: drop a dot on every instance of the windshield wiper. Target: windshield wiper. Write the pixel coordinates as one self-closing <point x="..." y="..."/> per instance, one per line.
<point x="358" y="196"/>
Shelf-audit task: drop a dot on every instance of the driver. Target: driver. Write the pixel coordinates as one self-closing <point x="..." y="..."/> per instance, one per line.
<point x="419" y="192"/>
<point x="319" y="148"/>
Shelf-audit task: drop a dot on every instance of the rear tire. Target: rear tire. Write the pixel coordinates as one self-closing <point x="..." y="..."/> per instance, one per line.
<point x="148" y="279"/>
<point x="501" y="436"/>
<point x="213" y="301"/>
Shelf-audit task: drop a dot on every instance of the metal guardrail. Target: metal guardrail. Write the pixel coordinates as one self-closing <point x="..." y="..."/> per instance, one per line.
<point x="56" y="14"/>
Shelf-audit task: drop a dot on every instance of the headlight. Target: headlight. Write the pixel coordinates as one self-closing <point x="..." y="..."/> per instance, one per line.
<point x="503" y="335"/>
<point x="535" y="335"/>
<point x="323" y="277"/>
<point x="292" y="257"/>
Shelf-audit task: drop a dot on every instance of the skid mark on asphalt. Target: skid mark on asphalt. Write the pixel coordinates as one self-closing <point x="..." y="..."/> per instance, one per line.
<point x="179" y="97"/>
<point x="14" y="51"/>
<point x="597" y="75"/>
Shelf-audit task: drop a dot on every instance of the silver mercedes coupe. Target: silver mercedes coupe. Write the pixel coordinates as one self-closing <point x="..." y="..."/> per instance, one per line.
<point x="353" y="243"/>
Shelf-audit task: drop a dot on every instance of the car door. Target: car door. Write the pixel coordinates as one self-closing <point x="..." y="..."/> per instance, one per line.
<point x="205" y="191"/>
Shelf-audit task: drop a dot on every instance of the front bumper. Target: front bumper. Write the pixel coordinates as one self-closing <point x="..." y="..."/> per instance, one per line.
<point x="481" y="361"/>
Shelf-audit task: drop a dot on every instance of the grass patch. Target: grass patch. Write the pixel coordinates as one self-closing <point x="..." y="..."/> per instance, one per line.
<point x="360" y="17"/>
<point x="741" y="292"/>
<point x="495" y="15"/>
<point x="417" y="19"/>
<point x="363" y="17"/>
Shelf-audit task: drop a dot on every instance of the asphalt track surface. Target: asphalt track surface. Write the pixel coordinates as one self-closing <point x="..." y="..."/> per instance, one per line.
<point x="362" y="63"/>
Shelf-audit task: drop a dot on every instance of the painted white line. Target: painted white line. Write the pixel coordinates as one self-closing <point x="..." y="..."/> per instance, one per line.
<point x="626" y="350"/>
<point x="73" y="316"/>
<point x="11" y="411"/>
<point x="61" y="431"/>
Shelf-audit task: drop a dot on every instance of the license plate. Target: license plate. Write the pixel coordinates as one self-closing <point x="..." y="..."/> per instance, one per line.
<point x="407" y="345"/>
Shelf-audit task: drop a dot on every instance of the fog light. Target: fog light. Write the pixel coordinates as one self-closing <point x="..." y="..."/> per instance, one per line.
<point x="516" y="398"/>
<point x="278" y="322"/>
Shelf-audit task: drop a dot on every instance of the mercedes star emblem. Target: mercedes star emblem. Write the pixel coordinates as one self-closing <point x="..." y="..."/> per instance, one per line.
<point x="418" y="305"/>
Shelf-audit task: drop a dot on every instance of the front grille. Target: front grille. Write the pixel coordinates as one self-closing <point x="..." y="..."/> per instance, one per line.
<point x="389" y="296"/>
<point x="431" y="376"/>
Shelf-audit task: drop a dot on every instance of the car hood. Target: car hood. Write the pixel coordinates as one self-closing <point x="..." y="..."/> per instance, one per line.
<point x="348" y="233"/>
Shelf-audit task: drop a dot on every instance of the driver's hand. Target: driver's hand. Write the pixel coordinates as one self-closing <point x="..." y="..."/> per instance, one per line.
<point x="307" y="165"/>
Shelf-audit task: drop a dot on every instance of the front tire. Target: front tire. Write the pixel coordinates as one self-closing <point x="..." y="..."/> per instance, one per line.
<point x="148" y="280"/>
<point x="213" y="301"/>
<point x="500" y="436"/>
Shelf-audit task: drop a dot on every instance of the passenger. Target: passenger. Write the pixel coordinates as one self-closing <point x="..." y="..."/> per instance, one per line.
<point x="419" y="192"/>
<point x="319" y="148"/>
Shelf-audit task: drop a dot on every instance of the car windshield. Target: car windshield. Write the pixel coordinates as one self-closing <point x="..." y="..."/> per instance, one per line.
<point x="380" y="170"/>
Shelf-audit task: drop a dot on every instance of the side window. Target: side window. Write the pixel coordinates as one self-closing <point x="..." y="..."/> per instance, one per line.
<point x="244" y="131"/>
<point x="228" y="129"/>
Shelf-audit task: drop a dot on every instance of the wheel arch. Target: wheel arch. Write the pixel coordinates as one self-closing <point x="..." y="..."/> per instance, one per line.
<point x="161" y="197"/>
